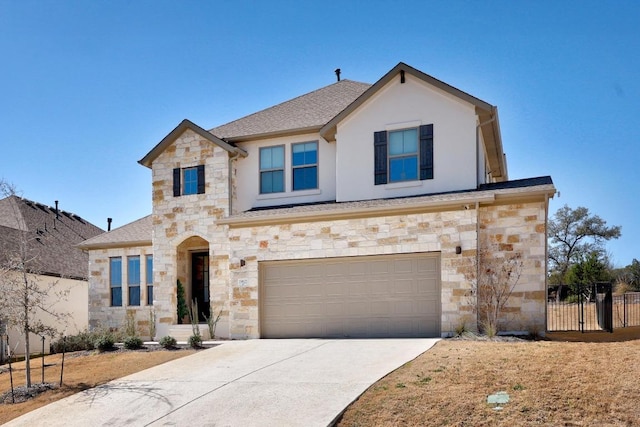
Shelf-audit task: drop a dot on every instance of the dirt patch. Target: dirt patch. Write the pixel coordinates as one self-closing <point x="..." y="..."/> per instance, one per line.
<point x="82" y="370"/>
<point x="548" y="382"/>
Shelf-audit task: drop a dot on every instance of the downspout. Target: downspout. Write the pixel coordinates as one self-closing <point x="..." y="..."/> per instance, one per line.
<point x="230" y="177"/>
<point x="546" y="260"/>
<point x="478" y="126"/>
<point x="477" y="260"/>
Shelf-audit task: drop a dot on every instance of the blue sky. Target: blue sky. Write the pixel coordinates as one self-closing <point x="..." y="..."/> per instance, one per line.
<point x="87" y="88"/>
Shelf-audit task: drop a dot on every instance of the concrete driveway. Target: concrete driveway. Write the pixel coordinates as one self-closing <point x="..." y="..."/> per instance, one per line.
<point x="239" y="383"/>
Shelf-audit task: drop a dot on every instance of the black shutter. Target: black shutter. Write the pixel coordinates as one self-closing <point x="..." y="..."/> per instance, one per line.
<point x="200" y="179"/>
<point x="426" y="152"/>
<point x="380" y="157"/>
<point x="176" y="182"/>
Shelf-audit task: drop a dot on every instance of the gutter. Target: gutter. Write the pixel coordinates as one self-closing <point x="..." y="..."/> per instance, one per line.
<point x="478" y="126"/>
<point x="230" y="177"/>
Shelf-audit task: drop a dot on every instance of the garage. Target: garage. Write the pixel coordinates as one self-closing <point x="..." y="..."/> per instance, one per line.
<point x="381" y="296"/>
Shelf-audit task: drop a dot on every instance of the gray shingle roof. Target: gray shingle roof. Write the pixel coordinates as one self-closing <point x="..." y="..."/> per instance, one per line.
<point x="51" y="239"/>
<point x="136" y="233"/>
<point x="312" y="110"/>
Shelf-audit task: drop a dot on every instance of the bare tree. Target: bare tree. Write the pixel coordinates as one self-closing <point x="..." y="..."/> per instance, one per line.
<point x="493" y="280"/>
<point x="25" y="298"/>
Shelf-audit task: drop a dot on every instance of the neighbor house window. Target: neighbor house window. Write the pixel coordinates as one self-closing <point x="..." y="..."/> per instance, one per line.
<point x="304" y="161"/>
<point x="133" y="279"/>
<point x="188" y="180"/>
<point x="272" y="169"/>
<point x="403" y="155"/>
<point x="149" y="278"/>
<point x="115" y="281"/>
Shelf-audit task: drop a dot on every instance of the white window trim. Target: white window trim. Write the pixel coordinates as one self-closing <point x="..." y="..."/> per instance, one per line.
<point x="289" y="195"/>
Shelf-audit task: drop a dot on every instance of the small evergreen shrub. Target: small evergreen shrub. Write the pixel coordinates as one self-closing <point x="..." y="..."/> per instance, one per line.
<point x="82" y="341"/>
<point x="195" y="341"/>
<point x="105" y="342"/>
<point x="168" y="342"/>
<point x="133" y="343"/>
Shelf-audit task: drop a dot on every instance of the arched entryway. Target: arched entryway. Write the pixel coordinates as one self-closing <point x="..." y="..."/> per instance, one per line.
<point x="193" y="273"/>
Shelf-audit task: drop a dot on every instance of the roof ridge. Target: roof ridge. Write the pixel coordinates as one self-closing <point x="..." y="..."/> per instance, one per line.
<point x="342" y="81"/>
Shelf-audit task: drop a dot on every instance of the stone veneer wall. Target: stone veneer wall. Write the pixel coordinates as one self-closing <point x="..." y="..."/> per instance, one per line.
<point x="428" y="232"/>
<point x="101" y="314"/>
<point x="520" y="228"/>
<point x="177" y="219"/>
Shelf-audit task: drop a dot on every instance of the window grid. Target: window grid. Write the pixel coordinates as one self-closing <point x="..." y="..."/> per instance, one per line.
<point x="115" y="281"/>
<point x="304" y="161"/>
<point x="190" y="181"/>
<point x="149" y="278"/>
<point x="272" y="169"/>
<point x="133" y="280"/>
<point x="403" y="155"/>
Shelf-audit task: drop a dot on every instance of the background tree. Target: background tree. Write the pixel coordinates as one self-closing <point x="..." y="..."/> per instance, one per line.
<point x="23" y="298"/>
<point x="628" y="278"/>
<point x="573" y="235"/>
<point x="590" y="269"/>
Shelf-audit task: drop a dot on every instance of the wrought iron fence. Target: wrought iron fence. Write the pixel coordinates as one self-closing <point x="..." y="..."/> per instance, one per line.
<point x="589" y="309"/>
<point x="626" y="310"/>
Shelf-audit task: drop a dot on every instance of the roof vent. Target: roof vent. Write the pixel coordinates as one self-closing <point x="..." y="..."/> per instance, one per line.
<point x="337" y="71"/>
<point x="109" y="224"/>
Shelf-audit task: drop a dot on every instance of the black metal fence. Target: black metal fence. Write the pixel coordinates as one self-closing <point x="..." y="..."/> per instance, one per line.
<point x="626" y="310"/>
<point x="590" y="308"/>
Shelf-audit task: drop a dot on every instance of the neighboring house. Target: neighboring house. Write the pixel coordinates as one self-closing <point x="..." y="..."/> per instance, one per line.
<point x="51" y="236"/>
<point x="355" y="210"/>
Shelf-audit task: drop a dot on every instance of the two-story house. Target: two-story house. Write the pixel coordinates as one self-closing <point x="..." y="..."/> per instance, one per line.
<point x="355" y="210"/>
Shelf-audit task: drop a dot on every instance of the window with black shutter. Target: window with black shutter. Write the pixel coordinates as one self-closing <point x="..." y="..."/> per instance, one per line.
<point x="403" y="155"/>
<point x="188" y="181"/>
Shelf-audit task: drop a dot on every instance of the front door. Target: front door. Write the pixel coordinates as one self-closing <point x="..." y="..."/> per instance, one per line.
<point x="200" y="283"/>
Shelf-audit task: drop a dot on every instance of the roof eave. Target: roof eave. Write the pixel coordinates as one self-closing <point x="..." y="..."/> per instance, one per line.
<point x="112" y="245"/>
<point x="463" y="201"/>
<point x="179" y="130"/>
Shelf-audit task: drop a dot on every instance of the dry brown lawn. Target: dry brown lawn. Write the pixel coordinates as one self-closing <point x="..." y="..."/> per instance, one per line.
<point x="81" y="371"/>
<point x="550" y="383"/>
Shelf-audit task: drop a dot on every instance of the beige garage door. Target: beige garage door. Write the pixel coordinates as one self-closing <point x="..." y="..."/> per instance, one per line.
<point x="365" y="296"/>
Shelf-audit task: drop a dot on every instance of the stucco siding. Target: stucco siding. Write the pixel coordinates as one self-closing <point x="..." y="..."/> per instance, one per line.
<point x="399" y="106"/>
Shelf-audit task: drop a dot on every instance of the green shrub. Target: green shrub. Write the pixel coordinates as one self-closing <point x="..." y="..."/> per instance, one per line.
<point x="133" y="343"/>
<point x="82" y="341"/>
<point x="168" y="342"/>
<point x="572" y="299"/>
<point x="105" y="342"/>
<point x="195" y="341"/>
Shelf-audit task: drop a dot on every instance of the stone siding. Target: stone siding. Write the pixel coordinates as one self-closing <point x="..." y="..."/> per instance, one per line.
<point x="101" y="313"/>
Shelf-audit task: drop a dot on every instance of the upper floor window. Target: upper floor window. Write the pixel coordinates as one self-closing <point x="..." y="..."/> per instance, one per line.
<point x="133" y="279"/>
<point x="403" y="155"/>
<point x="115" y="281"/>
<point x="188" y="180"/>
<point x="272" y="169"/>
<point x="304" y="161"/>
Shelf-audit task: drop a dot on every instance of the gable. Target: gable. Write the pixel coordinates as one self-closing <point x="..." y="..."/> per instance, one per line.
<point x="184" y="126"/>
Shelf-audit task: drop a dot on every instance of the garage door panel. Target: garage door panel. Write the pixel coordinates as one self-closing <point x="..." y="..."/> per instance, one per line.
<point x="369" y="296"/>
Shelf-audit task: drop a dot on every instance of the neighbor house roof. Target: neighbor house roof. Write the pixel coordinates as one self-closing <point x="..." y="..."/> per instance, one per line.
<point x="306" y="113"/>
<point x="136" y="233"/>
<point x="51" y="237"/>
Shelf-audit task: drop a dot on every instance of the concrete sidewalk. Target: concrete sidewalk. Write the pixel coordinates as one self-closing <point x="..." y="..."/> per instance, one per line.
<point x="239" y="383"/>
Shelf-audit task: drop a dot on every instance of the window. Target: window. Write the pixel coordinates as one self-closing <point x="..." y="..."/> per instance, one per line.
<point x="115" y="281"/>
<point x="149" y="278"/>
<point x="188" y="181"/>
<point x="133" y="279"/>
<point x="272" y="169"/>
<point x="403" y="155"/>
<point x="304" y="160"/>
